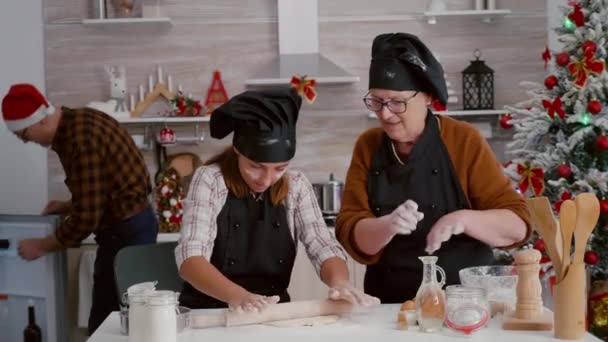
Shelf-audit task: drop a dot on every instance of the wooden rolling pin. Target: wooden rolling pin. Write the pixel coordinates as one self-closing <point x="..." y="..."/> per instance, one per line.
<point x="276" y="312"/>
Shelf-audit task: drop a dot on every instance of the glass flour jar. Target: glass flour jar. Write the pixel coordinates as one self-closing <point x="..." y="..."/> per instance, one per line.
<point x="160" y="317"/>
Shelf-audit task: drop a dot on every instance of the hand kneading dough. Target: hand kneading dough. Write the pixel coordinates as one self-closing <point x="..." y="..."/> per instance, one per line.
<point x="305" y="322"/>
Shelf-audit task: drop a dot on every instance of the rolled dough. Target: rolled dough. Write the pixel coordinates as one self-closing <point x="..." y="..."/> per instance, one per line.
<point x="305" y="322"/>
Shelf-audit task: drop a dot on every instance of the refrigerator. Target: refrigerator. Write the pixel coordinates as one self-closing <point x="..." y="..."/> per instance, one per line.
<point x="41" y="282"/>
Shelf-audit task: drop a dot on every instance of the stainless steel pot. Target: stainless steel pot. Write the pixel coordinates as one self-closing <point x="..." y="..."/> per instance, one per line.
<point x="329" y="195"/>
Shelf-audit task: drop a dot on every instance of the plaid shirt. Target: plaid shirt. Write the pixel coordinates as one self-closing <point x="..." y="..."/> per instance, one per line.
<point x="105" y="173"/>
<point x="207" y="196"/>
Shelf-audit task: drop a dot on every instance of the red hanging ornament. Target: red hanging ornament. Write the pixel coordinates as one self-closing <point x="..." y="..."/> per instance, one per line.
<point x="564" y="170"/>
<point x="577" y="16"/>
<point x="554" y="107"/>
<point x="604" y="207"/>
<point x="589" y="46"/>
<point x="591" y="258"/>
<point x="562" y="59"/>
<point x="594" y="107"/>
<point x="546" y="56"/>
<point x="550" y="82"/>
<point x="505" y="121"/>
<point x="601" y="143"/>
<point x="167" y="136"/>
<point x="539" y="245"/>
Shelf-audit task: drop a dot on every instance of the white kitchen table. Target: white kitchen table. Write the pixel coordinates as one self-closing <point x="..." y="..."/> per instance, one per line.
<point x="379" y="324"/>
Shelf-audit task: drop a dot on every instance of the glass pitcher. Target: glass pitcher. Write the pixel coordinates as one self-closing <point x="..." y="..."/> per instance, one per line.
<point x="430" y="299"/>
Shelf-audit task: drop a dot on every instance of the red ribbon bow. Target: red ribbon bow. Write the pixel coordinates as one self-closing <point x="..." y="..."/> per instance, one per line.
<point x="581" y="69"/>
<point x="577" y="15"/>
<point x="531" y="177"/>
<point x="554" y="107"/>
<point x="305" y="87"/>
<point x="546" y="56"/>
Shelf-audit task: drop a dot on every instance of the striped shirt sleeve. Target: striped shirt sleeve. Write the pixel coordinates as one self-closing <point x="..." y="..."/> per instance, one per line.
<point x="310" y="228"/>
<point x="201" y="207"/>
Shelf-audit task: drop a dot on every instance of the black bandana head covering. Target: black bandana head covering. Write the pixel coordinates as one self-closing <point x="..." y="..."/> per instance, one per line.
<point x="400" y="61"/>
<point x="263" y="122"/>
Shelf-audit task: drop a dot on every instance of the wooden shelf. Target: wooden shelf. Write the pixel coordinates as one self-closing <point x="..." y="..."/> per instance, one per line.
<point x="486" y="15"/>
<point x="486" y="112"/>
<point x="154" y="120"/>
<point x="125" y="21"/>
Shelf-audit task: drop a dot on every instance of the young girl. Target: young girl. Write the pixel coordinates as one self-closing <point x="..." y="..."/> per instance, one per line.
<point x="245" y="213"/>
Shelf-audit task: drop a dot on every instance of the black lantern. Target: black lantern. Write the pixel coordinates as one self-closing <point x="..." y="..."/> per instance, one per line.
<point x="478" y="85"/>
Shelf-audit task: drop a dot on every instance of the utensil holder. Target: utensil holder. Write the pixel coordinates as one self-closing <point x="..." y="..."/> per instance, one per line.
<point x="569" y="301"/>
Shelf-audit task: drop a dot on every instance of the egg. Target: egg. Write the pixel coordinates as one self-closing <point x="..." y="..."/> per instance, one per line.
<point x="408" y="305"/>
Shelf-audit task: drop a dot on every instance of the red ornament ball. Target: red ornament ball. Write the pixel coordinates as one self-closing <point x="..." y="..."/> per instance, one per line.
<point x="591" y="258"/>
<point x="601" y="143"/>
<point x="594" y="107"/>
<point x="604" y="207"/>
<point x="539" y="245"/>
<point x="550" y="82"/>
<point x="589" y="45"/>
<point x="505" y="121"/>
<point x="564" y="170"/>
<point x="562" y="59"/>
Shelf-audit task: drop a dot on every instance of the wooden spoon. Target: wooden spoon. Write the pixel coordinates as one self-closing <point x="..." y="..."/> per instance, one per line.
<point x="545" y="224"/>
<point x="588" y="212"/>
<point x="567" y="222"/>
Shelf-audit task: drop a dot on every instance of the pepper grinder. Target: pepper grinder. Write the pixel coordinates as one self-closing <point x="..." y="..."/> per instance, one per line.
<point x="529" y="312"/>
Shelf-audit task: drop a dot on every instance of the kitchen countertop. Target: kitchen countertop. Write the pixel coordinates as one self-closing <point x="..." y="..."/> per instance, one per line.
<point x="378" y="324"/>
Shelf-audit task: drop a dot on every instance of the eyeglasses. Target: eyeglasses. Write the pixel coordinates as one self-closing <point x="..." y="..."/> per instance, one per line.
<point x="395" y="106"/>
<point x="22" y="135"/>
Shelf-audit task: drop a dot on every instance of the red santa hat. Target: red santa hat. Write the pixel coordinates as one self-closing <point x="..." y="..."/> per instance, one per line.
<point x="24" y="106"/>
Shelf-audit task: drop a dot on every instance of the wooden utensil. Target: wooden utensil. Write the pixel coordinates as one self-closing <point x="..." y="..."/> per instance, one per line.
<point x="569" y="301"/>
<point x="567" y="223"/>
<point x="276" y="312"/>
<point x="545" y="224"/>
<point x="588" y="212"/>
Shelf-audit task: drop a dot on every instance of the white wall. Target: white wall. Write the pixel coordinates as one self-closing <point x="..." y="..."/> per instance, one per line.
<point x="23" y="167"/>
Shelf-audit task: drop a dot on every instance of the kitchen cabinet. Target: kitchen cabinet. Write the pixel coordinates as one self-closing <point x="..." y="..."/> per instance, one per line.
<point x="305" y="283"/>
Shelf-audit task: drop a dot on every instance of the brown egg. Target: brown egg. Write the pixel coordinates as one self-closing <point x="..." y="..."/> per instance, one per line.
<point x="408" y="305"/>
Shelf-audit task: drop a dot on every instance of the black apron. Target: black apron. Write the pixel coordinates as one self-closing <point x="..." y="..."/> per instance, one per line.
<point x="429" y="179"/>
<point x="253" y="248"/>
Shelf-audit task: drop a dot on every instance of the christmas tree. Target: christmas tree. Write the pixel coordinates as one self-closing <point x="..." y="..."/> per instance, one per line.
<point x="560" y="147"/>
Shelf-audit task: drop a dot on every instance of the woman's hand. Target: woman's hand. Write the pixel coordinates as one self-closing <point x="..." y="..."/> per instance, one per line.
<point x="443" y="229"/>
<point x="352" y="294"/>
<point x="404" y="219"/>
<point x="251" y="302"/>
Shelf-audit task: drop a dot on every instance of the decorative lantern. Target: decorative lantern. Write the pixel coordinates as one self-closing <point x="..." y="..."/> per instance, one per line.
<point x="478" y="85"/>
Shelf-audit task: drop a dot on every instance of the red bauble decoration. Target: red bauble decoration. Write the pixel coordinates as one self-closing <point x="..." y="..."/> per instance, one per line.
<point x="539" y="245"/>
<point x="564" y="170"/>
<point x="562" y="59"/>
<point x="604" y="207"/>
<point x="550" y="82"/>
<point x="504" y="121"/>
<point x="591" y="258"/>
<point x="601" y="143"/>
<point x="167" y="136"/>
<point x="589" y="45"/>
<point x="594" y="107"/>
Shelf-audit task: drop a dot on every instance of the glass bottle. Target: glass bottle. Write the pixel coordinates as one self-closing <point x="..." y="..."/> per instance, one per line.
<point x="32" y="332"/>
<point x="468" y="309"/>
<point x="430" y="299"/>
